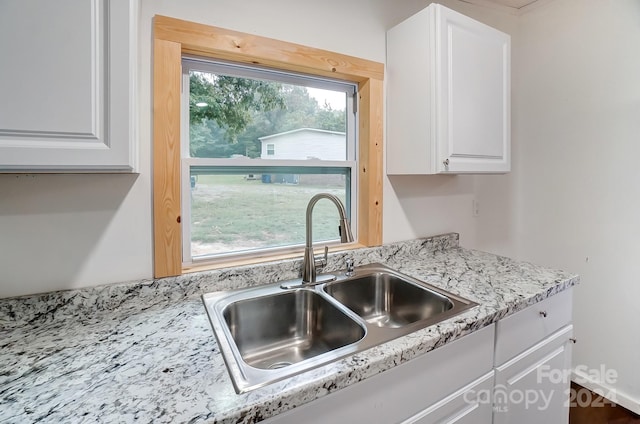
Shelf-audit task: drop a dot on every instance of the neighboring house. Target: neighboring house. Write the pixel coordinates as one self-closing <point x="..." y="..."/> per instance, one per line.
<point x="304" y="143"/>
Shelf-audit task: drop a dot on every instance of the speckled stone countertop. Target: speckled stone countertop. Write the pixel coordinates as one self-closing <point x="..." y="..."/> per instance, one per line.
<point x="145" y="351"/>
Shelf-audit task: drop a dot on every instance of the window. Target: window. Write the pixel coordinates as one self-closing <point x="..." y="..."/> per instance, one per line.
<point x="234" y="116"/>
<point x="174" y="39"/>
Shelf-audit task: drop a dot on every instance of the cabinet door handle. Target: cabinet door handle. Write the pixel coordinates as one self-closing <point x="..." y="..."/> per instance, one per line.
<point x="543" y="314"/>
<point x="446" y="162"/>
<point x="573" y="340"/>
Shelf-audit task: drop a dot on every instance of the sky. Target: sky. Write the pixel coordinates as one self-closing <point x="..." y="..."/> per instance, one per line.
<point x="336" y="99"/>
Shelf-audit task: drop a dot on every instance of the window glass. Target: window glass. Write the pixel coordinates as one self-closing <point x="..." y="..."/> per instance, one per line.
<point x="271" y="149"/>
<point x="240" y="213"/>
<point x="234" y="117"/>
<point x="255" y="151"/>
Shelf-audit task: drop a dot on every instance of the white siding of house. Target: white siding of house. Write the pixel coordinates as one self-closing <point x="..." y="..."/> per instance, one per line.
<point x="306" y="144"/>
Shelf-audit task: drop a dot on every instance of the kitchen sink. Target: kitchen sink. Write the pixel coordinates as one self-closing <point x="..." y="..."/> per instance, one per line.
<point x="385" y="299"/>
<point x="278" y="330"/>
<point x="269" y="333"/>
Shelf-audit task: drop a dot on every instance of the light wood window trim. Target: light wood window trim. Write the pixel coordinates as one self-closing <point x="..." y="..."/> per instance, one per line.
<point x="174" y="37"/>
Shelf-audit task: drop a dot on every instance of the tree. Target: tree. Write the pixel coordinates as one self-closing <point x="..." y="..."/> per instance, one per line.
<point x="208" y="140"/>
<point x="229" y="101"/>
<point x="331" y="120"/>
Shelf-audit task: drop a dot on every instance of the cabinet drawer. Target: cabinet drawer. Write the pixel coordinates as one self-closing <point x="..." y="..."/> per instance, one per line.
<point x="470" y="405"/>
<point x="523" y="329"/>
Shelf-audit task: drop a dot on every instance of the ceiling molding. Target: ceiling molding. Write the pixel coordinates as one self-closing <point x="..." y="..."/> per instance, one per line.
<point x="513" y="7"/>
<point x="516" y="4"/>
<point x="531" y="6"/>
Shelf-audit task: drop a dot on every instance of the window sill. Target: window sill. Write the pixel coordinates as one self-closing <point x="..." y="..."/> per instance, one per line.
<point x="231" y="263"/>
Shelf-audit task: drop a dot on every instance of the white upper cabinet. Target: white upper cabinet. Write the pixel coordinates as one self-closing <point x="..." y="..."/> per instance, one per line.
<point x="448" y="95"/>
<point x="67" y="85"/>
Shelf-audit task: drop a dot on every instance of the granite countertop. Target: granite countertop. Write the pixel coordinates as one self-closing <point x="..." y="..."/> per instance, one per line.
<point x="145" y="350"/>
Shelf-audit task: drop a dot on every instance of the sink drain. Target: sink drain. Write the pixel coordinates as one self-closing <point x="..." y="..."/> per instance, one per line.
<point x="277" y="365"/>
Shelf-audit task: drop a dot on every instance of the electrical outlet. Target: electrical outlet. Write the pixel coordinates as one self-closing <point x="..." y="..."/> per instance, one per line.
<point x="475" y="211"/>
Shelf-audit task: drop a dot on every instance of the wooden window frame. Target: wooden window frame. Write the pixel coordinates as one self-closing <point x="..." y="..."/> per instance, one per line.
<point x="174" y="37"/>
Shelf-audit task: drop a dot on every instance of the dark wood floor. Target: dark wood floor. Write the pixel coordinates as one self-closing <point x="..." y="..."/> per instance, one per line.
<point x="601" y="412"/>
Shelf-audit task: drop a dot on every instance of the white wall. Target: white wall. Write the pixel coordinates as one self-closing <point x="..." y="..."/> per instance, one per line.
<point x="573" y="200"/>
<point x="68" y="231"/>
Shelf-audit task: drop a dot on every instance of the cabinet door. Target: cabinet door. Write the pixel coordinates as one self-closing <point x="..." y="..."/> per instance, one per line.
<point x="448" y="95"/>
<point x="66" y="79"/>
<point x="469" y="405"/>
<point x="534" y="386"/>
<point x="473" y="95"/>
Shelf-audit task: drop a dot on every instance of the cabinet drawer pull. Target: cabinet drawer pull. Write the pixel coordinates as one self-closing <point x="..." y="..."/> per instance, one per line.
<point x="543" y="314"/>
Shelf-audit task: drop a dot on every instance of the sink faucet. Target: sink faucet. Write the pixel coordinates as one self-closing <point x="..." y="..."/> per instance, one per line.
<point x="309" y="262"/>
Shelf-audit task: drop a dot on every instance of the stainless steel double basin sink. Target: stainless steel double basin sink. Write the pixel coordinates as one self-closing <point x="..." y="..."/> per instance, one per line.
<point x="269" y="333"/>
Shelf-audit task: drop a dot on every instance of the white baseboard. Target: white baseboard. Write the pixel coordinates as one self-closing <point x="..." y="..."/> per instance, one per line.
<point x="607" y="391"/>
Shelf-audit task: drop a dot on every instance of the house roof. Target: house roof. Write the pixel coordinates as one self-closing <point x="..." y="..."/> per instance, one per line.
<point x="268" y="137"/>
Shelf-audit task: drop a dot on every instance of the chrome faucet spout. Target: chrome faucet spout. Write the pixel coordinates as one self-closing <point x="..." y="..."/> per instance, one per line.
<point x="309" y="260"/>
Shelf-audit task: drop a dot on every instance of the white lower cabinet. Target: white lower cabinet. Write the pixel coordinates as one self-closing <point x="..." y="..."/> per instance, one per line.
<point x="533" y="363"/>
<point x="427" y="389"/>
<point x="514" y="372"/>
<point x="469" y="405"/>
<point x="534" y="386"/>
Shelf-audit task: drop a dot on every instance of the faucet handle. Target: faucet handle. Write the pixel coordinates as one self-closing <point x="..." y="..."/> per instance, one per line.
<point x="350" y="262"/>
<point x="322" y="262"/>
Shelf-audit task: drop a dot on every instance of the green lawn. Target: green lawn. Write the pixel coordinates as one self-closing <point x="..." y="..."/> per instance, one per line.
<point x="230" y="213"/>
